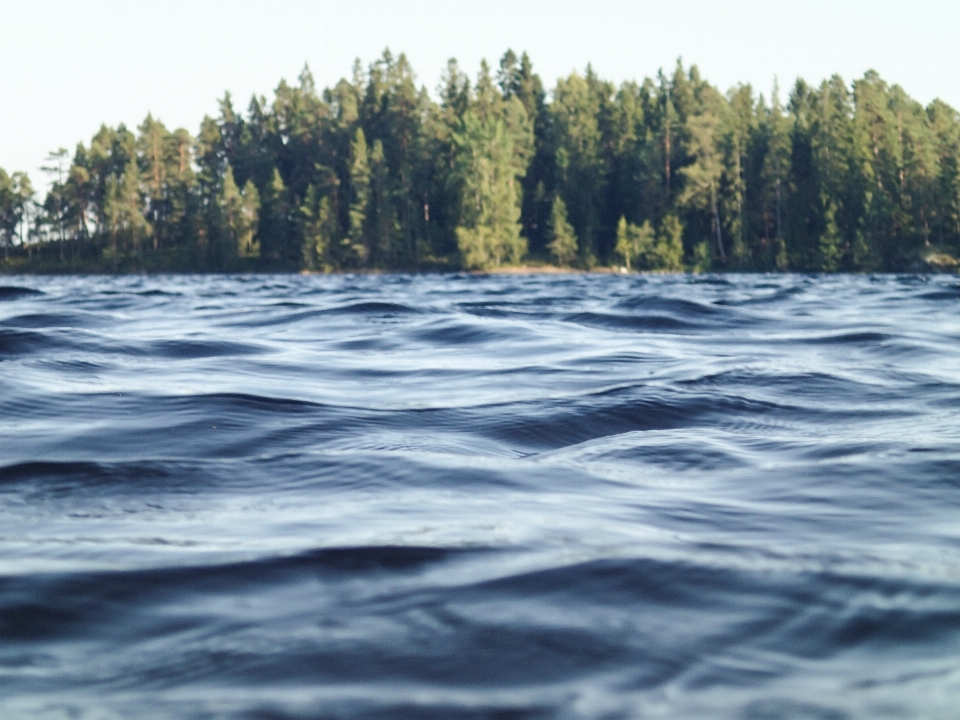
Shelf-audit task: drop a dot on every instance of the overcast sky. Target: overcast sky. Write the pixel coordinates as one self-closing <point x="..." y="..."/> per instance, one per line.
<point x="68" y="66"/>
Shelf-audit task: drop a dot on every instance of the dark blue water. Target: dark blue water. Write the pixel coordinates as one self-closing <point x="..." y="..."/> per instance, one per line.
<point x="480" y="497"/>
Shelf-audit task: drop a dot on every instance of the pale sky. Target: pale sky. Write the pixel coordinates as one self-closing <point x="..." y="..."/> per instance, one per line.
<point x="66" y="66"/>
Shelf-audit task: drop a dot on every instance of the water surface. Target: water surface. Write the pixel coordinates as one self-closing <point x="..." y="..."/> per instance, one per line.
<point x="480" y="497"/>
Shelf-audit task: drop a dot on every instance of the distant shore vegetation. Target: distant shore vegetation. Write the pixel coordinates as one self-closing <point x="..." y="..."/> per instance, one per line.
<point x="493" y="172"/>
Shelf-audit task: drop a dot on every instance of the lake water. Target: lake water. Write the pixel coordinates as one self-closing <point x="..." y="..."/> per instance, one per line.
<point x="572" y="496"/>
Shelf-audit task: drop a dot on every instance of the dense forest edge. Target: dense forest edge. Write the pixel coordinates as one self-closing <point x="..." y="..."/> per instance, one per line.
<point x="375" y="174"/>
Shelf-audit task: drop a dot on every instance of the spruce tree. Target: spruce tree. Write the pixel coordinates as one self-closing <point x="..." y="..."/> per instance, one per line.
<point x="580" y="171"/>
<point x="317" y="228"/>
<point x="383" y="223"/>
<point x="702" y="176"/>
<point x="230" y="202"/>
<point x="359" y="245"/>
<point x="280" y="245"/>
<point x="488" y="233"/>
<point x="492" y="146"/>
<point x="155" y="146"/>
<point x="245" y="231"/>
<point x="373" y="171"/>
<point x="563" y="240"/>
<point x="634" y="243"/>
<point x="668" y="247"/>
<point x="124" y="212"/>
<point x="738" y="131"/>
<point x="773" y="178"/>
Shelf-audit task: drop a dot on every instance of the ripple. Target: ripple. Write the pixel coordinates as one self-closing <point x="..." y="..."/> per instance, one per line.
<point x="582" y="496"/>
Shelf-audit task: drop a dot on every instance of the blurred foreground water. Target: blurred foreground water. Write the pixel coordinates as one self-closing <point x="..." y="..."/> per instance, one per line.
<point x="467" y="497"/>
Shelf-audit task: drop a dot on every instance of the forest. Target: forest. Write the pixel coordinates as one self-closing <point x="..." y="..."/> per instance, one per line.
<point x="376" y="174"/>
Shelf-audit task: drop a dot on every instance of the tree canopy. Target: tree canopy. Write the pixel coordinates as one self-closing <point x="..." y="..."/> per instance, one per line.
<point x="376" y="173"/>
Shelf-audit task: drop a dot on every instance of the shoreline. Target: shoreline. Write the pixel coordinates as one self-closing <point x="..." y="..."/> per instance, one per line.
<point x="936" y="264"/>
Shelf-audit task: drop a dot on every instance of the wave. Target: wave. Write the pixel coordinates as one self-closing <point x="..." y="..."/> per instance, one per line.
<point x="542" y="639"/>
<point x="15" y="343"/>
<point x="676" y="306"/>
<point x="942" y="292"/>
<point x="457" y="496"/>
<point x="372" y="308"/>
<point x="865" y="337"/>
<point x="55" y="320"/>
<point x="14" y="292"/>
<point x="189" y="349"/>
<point x="631" y="322"/>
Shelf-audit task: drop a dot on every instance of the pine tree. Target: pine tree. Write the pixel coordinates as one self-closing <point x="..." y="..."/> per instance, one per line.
<point x="373" y="171"/>
<point x="155" y="146"/>
<point x="183" y="221"/>
<point x="55" y="204"/>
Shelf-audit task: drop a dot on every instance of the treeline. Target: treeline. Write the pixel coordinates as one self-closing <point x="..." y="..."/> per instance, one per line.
<point x="668" y="174"/>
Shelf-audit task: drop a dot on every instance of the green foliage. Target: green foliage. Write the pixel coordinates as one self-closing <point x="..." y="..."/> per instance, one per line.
<point x="240" y="213"/>
<point x="702" y="176"/>
<point x="830" y="241"/>
<point x="563" y="240"/>
<point x="372" y="173"/>
<point x="15" y="195"/>
<point x="648" y="250"/>
<point x="124" y="210"/>
<point x="245" y="229"/>
<point x="277" y="229"/>
<point x="702" y="257"/>
<point x="577" y="136"/>
<point x="668" y="249"/>
<point x="381" y="213"/>
<point x="633" y="242"/>
<point x="356" y="242"/>
<point x="491" y="147"/>
<point x="230" y="202"/>
<point x="318" y="229"/>
<point x="773" y="140"/>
